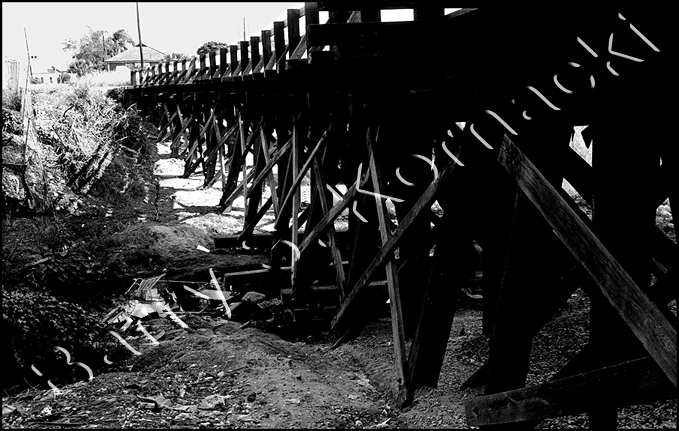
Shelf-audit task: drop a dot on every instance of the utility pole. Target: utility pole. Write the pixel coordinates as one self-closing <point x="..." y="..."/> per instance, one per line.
<point x="141" y="52"/>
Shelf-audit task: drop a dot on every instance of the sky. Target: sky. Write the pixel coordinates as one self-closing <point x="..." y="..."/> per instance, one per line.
<point x="166" y="26"/>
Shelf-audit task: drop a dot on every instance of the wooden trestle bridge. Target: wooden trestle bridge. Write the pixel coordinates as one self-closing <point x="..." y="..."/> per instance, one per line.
<point x="474" y="109"/>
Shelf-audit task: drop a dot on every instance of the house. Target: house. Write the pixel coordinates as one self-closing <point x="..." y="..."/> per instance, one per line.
<point x="130" y="58"/>
<point x="51" y="76"/>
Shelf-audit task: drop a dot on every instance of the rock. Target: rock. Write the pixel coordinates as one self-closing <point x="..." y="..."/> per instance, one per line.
<point x="254" y="297"/>
<point x="252" y="397"/>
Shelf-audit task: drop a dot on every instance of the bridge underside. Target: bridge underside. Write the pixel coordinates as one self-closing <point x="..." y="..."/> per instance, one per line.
<point x="379" y="107"/>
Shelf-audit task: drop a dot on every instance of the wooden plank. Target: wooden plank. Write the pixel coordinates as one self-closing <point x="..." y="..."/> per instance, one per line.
<point x="279" y="44"/>
<point x="428" y="12"/>
<point x="295" y="200"/>
<point x="233" y="52"/>
<point x="267" y="160"/>
<point x="370" y="15"/>
<point x="293" y="30"/>
<point x="299" y="176"/>
<point x="568" y="396"/>
<point x="254" y="51"/>
<point x="223" y="53"/>
<point x="266" y="47"/>
<point x="255" y="192"/>
<point x="244" y="155"/>
<point x="398" y="332"/>
<point x="639" y="313"/>
<point x="334" y="250"/>
<point x="448" y="274"/>
<point x="244" y="56"/>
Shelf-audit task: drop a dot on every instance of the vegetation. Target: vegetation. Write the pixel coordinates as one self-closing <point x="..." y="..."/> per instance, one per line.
<point x="90" y="51"/>
<point x="210" y="46"/>
<point x="175" y="56"/>
<point x="57" y="267"/>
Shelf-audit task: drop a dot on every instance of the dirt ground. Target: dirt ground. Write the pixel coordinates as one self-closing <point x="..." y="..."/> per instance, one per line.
<point x="223" y="374"/>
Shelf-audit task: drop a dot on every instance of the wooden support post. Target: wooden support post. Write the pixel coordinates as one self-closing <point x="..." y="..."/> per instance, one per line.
<point x="244" y="155"/>
<point x="398" y="331"/>
<point x="332" y="244"/>
<point x="631" y="304"/>
<point x="254" y="194"/>
<point x="296" y="195"/>
<point x="222" y="165"/>
<point x="254" y="50"/>
<point x="201" y="67"/>
<point x="213" y="65"/>
<point x="272" y="181"/>
<point x="626" y="231"/>
<point x="223" y="53"/>
<point x="293" y="30"/>
<point x="244" y="57"/>
<point x="279" y="44"/>
<point x="299" y="176"/>
<point x="233" y="50"/>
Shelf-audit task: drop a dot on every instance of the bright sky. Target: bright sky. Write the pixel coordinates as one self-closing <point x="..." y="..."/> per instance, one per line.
<point x="48" y="25"/>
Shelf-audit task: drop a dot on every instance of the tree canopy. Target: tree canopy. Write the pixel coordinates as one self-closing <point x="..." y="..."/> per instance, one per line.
<point x="90" y="51"/>
<point x="175" y="56"/>
<point x="210" y="46"/>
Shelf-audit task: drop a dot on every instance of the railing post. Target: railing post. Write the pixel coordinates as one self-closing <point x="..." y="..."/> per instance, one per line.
<point x="234" y="58"/>
<point x="222" y="61"/>
<point x="279" y="43"/>
<point x="266" y="47"/>
<point x="213" y="63"/>
<point x="293" y="31"/>
<point x="243" y="56"/>
<point x="202" y="66"/>
<point x="254" y="50"/>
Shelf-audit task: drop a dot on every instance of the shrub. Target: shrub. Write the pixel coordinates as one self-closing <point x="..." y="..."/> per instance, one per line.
<point x="34" y="323"/>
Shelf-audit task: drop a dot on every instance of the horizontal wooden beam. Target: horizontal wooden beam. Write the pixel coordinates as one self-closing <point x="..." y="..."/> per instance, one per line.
<point x="643" y="317"/>
<point x="617" y="385"/>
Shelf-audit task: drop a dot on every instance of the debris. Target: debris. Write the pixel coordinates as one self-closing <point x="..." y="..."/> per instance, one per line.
<point x="195" y="292"/>
<point x="201" y="248"/>
<point x="175" y="319"/>
<point x="383" y="424"/>
<point x="141" y="328"/>
<point x="221" y="294"/>
<point x="125" y="343"/>
<point x="293" y="401"/>
<point x="159" y="402"/>
<point x="353" y="396"/>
